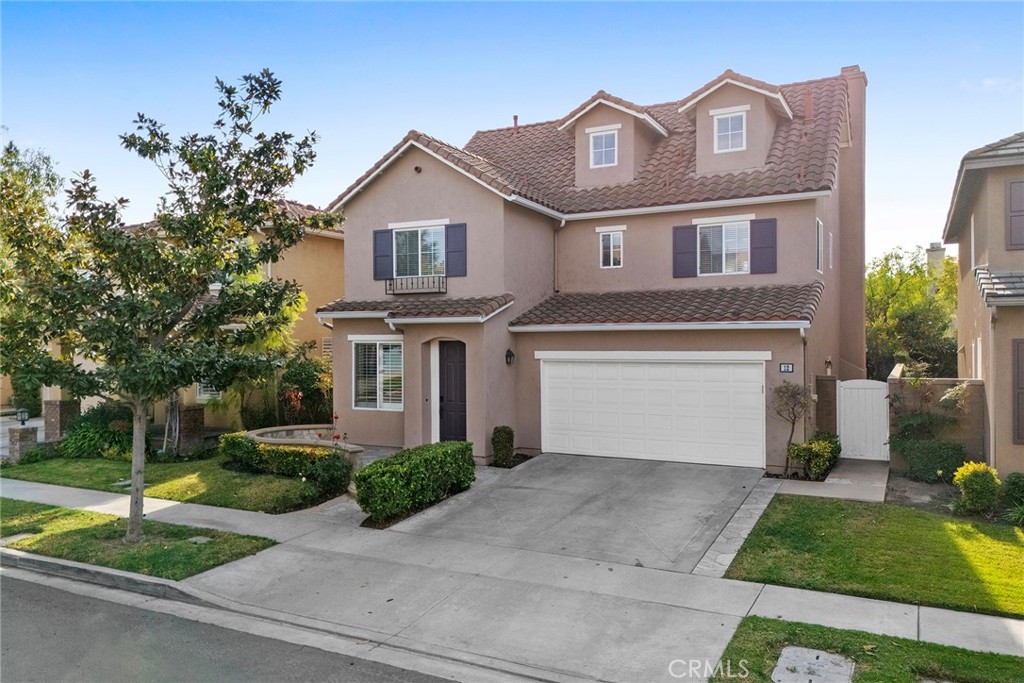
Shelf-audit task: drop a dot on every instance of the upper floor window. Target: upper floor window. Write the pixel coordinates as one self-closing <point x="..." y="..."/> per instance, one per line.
<point x="419" y="251"/>
<point x="611" y="248"/>
<point x="724" y="248"/>
<point x="604" y="145"/>
<point x="730" y="129"/>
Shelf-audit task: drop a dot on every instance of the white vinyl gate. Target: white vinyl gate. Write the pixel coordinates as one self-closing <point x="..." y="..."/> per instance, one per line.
<point x="863" y="419"/>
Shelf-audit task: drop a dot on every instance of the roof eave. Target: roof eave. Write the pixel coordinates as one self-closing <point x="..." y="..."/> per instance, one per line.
<point x="643" y="116"/>
<point x="650" y="327"/>
<point x="781" y="105"/>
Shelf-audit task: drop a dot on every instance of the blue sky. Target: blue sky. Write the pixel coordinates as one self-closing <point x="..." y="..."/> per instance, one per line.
<point x="943" y="78"/>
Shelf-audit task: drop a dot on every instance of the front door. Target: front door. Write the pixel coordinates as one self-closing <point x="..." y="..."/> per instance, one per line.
<point x="453" y="391"/>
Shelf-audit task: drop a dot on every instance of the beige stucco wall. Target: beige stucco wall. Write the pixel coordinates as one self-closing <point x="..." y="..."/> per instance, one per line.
<point x="437" y="191"/>
<point x="635" y="139"/>
<point x="786" y="346"/>
<point x="529" y="256"/>
<point x="647" y="251"/>
<point x="760" y="126"/>
<point x="317" y="264"/>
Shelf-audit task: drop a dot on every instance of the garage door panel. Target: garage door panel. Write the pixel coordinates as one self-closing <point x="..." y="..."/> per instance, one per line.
<point x="701" y="412"/>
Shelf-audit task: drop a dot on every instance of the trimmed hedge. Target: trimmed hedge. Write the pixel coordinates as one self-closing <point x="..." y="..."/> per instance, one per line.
<point x="414" y="479"/>
<point x="818" y="456"/>
<point x="933" y="460"/>
<point x="503" y="445"/>
<point x="325" y="469"/>
<point x="1013" y="489"/>
<point x="979" y="488"/>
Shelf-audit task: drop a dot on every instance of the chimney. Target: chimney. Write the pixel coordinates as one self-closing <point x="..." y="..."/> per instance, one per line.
<point x="515" y="123"/>
<point x="936" y="254"/>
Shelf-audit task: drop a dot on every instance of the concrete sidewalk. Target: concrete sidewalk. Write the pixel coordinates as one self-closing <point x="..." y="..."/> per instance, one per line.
<point x="530" y="612"/>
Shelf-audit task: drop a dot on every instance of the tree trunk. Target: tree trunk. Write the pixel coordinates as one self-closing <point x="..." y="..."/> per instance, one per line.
<point x="140" y="412"/>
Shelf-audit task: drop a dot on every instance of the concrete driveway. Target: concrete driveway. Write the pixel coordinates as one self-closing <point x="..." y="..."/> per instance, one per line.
<point x="637" y="512"/>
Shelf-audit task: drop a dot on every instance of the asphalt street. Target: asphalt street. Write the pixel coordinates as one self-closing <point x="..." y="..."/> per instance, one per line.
<point x="52" y="636"/>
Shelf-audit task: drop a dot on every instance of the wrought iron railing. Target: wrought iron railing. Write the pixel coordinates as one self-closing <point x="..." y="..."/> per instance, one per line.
<point x="426" y="284"/>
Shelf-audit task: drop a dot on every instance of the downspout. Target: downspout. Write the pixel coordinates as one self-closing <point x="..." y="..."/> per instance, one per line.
<point x="554" y="252"/>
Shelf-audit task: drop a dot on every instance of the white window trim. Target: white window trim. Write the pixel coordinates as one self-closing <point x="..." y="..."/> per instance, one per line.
<point x="614" y="133"/>
<point x="831" y="250"/>
<point x="602" y="129"/>
<point x="714" y="131"/>
<point x="419" y="261"/>
<point x="819" y="237"/>
<point x="722" y="224"/>
<point x="378" y="340"/>
<point x="718" y="220"/>
<point x="610" y="228"/>
<point x="600" y="249"/>
<point x="728" y="110"/>
<point x="419" y="224"/>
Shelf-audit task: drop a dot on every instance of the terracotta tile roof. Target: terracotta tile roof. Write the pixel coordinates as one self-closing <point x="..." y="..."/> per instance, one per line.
<point x="999" y="287"/>
<point x="427" y="307"/>
<point x="971" y="176"/>
<point x="537" y="161"/>
<point x="803" y="156"/>
<point x="1014" y="144"/>
<point x="696" y="305"/>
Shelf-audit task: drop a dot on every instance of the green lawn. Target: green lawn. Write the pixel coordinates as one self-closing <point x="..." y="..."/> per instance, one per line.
<point x="96" y="538"/>
<point x="887" y="552"/>
<point x="197" y="481"/>
<point x="879" y="659"/>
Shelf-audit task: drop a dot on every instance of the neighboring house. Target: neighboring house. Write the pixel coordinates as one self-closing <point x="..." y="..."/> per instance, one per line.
<point x="986" y="220"/>
<point x="626" y="281"/>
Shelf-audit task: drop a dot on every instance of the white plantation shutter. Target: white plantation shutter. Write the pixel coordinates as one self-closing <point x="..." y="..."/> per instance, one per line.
<point x="327" y="347"/>
<point x="377" y="375"/>
<point x="206" y="391"/>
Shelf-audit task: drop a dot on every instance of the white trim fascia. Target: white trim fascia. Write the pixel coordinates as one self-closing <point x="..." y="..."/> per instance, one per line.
<point x="729" y="110"/>
<point x="646" y="118"/>
<point x="364" y="338"/>
<point x="715" y="204"/>
<point x="539" y="208"/>
<point x="1016" y="159"/>
<point x="715" y="220"/>
<point x="652" y="327"/>
<point x="771" y="95"/>
<point x="602" y="129"/>
<point x="328" y="315"/>
<point x="329" y="234"/>
<point x="438" y="223"/>
<point x="459" y="320"/>
<point x="1005" y="301"/>
<point x="610" y="228"/>
<point x="657" y="356"/>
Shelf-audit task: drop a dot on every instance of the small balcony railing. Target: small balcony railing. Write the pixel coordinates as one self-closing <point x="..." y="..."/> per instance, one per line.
<point x="426" y="284"/>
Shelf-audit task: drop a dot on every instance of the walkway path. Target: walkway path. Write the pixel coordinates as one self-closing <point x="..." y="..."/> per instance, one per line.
<point x="521" y="611"/>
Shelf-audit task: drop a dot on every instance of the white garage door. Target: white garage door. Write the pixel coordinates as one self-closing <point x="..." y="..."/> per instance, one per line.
<point x="684" y="407"/>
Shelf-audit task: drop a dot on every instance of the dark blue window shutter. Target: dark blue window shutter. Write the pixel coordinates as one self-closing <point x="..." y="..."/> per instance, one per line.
<point x="763" y="249"/>
<point x="383" y="262"/>
<point x="684" y="251"/>
<point x="455" y="250"/>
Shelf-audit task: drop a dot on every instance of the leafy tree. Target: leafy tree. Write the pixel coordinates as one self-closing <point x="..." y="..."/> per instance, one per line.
<point x="162" y="305"/>
<point x="791" y="402"/>
<point x="910" y="313"/>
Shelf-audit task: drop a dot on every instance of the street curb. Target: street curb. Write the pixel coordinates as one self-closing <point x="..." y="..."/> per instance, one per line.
<point x="103" y="576"/>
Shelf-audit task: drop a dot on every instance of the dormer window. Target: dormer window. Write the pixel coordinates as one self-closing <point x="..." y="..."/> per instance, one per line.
<point x="604" y="145"/>
<point x="730" y="128"/>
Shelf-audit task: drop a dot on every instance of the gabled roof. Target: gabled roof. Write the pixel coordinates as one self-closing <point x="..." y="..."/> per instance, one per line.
<point x="471" y="309"/>
<point x="772" y="93"/>
<point x="1006" y="152"/>
<point x="1000" y="288"/>
<point x="773" y="303"/>
<point x="601" y="97"/>
<point x="534" y="164"/>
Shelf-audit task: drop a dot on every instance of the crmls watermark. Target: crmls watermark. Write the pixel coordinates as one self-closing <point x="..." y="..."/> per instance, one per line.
<point x="704" y="668"/>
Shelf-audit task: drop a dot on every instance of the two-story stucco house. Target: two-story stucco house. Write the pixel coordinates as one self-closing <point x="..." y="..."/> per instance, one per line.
<point x="986" y="220"/>
<point x="627" y="281"/>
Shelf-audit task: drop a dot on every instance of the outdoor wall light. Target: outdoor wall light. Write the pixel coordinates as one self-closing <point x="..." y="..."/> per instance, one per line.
<point x="828" y="365"/>
<point x="21" y="414"/>
<point x="510" y="357"/>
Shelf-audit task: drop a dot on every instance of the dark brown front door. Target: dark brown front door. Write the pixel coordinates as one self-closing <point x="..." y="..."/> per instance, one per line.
<point x="453" y="391"/>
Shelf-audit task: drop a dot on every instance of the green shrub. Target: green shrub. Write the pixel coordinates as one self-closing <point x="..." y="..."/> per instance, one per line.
<point x="326" y="470"/>
<point x="932" y="461"/>
<point x="818" y="456"/>
<point x="979" y="487"/>
<point x="306" y="391"/>
<point x="414" y="479"/>
<point x="1013" y="489"/>
<point x="1015" y="516"/>
<point x="118" y="453"/>
<point x="44" y="451"/>
<point x="503" y="444"/>
<point x="918" y="426"/>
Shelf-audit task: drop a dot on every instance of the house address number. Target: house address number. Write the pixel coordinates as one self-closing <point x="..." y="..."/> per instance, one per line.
<point x="785" y="367"/>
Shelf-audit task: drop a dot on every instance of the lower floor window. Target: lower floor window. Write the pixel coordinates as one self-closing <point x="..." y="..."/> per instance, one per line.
<point x="206" y="391"/>
<point x="378" y="375"/>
